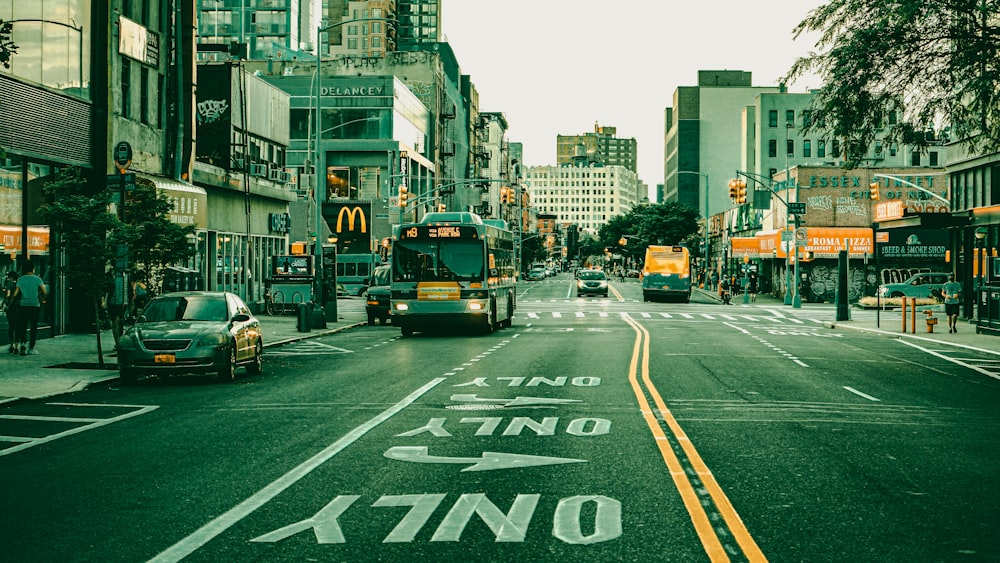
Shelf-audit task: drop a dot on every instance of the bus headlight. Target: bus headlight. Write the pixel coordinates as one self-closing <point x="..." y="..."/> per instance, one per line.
<point x="401" y="306"/>
<point x="475" y="306"/>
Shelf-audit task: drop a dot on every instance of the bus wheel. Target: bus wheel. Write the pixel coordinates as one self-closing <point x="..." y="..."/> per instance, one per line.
<point x="506" y="323"/>
<point x="407" y="331"/>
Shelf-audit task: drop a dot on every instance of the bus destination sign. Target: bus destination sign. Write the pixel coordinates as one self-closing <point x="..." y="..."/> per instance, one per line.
<point x="438" y="231"/>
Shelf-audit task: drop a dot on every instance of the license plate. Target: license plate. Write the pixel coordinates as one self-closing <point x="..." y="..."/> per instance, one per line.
<point x="163" y="358"/>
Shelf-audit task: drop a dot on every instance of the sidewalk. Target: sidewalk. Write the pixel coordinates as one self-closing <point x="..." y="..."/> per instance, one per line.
<point x="887" y="322"/>
<point x="46" y="374"/>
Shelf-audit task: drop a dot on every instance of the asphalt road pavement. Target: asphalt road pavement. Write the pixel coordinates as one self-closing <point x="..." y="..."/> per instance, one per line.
<point x="592" y="430"/>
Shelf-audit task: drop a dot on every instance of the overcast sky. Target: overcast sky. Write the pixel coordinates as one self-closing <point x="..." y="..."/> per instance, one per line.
<point x="558" y="66"/>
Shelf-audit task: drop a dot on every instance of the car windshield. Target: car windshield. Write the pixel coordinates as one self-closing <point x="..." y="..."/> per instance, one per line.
<point x="592" y="275"/>
<point x="196" y="308"/>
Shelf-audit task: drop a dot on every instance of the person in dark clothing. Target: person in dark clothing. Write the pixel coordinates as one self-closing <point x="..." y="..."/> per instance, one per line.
<point x="10" y="306"/>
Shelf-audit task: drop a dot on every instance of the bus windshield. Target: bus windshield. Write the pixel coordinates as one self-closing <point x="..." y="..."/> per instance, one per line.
<point x="452" y="260"/>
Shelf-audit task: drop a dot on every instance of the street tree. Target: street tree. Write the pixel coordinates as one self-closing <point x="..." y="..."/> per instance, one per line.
<point x="93" y="239"/>
<point x="79" y="220"/>
<point x="931" y="64"/>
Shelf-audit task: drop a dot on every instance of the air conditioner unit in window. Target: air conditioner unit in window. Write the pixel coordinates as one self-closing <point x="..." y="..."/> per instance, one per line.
<point x="286" y="177"/>
<point x="276" y="175"/>
<point x="258" y="170"/>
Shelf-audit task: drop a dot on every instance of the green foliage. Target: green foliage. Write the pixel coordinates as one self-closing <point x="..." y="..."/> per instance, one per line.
<point x="153" y="240"/>
<point x="80" y="221"/>
<point x="7" y="46"/>
<point x="532" y="250"/>
<point x="933" y="64"/>
<point x="665" y="223"/>
<point x="90" y="235"/>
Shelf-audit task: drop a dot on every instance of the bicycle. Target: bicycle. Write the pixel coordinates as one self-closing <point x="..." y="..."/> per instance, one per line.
<point x="274" y="302"/>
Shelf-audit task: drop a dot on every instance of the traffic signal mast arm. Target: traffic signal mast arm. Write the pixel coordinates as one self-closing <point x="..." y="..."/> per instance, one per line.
<point x="403" y="191"/>
<point x="753" y="177"/>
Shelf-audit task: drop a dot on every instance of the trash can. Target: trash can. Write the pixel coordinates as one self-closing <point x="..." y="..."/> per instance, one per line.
<point x="304" y="322"/>
<point x="318" y="316"/>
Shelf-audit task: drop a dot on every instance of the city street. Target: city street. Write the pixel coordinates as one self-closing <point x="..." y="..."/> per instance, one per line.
<point x="594" y="429"/>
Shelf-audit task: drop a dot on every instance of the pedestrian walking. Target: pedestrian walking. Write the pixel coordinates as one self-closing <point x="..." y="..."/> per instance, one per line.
<point x="753" y="287"/>
<point x="951" y="290"/>
<point x="32" y="293"/>
<point x="10" y="306"/>
<point x="714" y="280"/>
<point x="724" y="291"/>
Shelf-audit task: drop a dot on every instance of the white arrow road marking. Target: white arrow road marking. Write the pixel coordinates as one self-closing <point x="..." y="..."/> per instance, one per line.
<point x="515" y="402"/>
<point x="488" y="461"/>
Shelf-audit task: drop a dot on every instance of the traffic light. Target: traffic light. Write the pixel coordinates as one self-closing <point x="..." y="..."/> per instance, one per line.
<point x="733" y="188"/>
<point x="503" y="194"/>
<point x="403" y="194"/>
<point x="441" y="208"/>
<point x="741" y="192"/>
<point x="873" y="191"/>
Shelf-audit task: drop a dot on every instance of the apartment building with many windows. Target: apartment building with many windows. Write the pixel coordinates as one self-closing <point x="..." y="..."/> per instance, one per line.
<point x="586" y="196"/>
<point x="601" y="146"/>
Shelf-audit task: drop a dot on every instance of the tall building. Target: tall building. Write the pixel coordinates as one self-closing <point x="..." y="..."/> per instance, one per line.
<point x="259" y="30"/>
<point x="601" y="146"/>
<point x="704" y="138"/>
<point x="587" y="196"/>
<point x="419" y="22"/>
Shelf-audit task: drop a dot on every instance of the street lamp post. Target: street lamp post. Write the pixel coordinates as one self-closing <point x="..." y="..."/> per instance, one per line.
<point x="705" y="234"/>
<point x="320" y="195"/>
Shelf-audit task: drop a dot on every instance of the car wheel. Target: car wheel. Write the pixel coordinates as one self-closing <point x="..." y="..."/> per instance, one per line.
<point x="256" y="366"/>
<point x="605" y="294"/>
<point x="227" y="371"/>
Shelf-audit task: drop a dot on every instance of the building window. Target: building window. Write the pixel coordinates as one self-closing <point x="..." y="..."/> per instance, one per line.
<point x="144" y="95"/>
<point x="772" y="148"/>
<point x="126" y="83"/>
<point x="790" y="147"/>
<point x="878" y="149"/>
<point x="821" y="149"/>
<point x="893" y="149"/>
<point x="790" y="117"/>
<point x="892" y="117"/>
<point x="772" y="118"/>
<point x="806" y="117"/>
<point x="915" y="158"/>
<point x="806" y="148"/>
<point x="933" y="158"/>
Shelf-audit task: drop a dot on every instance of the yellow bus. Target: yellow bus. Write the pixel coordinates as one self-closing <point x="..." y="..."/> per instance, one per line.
<point x="451" y="269"/>
<point x="666" y="273"/>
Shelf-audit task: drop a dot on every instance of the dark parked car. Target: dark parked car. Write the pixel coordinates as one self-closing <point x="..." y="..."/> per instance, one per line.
<point x="192" y="332"/>
<point x="377" y="295"/>
<point x="591" y="282"/>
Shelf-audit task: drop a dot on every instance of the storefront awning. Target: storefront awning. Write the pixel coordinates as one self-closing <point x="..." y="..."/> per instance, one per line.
<point x="190" y="201"/>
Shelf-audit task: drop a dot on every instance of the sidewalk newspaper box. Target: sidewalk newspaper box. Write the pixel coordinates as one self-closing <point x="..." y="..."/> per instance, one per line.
<point x="292" y="276"/>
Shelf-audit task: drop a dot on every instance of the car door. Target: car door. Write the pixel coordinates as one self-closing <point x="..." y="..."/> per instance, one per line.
<point x="239" y="329"/>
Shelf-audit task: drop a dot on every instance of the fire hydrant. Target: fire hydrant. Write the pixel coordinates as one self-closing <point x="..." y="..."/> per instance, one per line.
<point x="931" y="320"/>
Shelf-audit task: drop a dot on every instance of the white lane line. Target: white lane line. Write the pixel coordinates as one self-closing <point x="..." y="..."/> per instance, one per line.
<point x="98" y="423"/>
<point x="210" y="531"/>
<point x="860" y="394"/>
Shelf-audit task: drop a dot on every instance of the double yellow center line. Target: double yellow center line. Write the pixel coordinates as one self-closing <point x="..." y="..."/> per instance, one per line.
<point x="719" y="527"/>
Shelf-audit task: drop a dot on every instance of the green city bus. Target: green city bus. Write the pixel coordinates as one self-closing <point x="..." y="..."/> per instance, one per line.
<point x="453" y="269"/>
